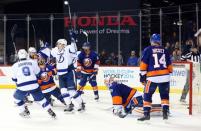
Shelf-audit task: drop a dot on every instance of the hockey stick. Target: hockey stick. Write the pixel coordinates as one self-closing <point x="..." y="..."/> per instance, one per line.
<point x="12" y="33"/>
<point x="87" y="36"/>
<point x="66" y="3"/>
<point x="78" y="90"/>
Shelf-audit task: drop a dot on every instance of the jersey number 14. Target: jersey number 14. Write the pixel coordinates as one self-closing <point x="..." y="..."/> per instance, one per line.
<point x="159" y="61"/>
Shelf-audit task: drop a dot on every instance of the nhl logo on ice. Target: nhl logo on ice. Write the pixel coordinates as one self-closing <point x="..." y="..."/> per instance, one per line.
<point x="87" y="62"/>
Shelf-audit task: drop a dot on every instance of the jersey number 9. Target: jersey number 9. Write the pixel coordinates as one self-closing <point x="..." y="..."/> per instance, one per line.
<point x="26" y="71"/>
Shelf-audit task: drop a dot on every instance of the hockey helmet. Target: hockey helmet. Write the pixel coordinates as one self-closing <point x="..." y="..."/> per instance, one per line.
<point x="155" y="38"/>
<point x="22" y="54"/>
<point x="86" y="45"/>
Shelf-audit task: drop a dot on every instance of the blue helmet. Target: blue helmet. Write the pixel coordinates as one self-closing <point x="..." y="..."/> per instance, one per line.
<point x="156" y="38"/>
<point x="86" y="45"/>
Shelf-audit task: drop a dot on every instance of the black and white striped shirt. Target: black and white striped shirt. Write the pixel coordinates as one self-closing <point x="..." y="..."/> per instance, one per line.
<point x="193" y="57"/>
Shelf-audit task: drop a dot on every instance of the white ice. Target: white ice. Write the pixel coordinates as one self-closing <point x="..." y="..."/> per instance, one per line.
<point x="97" y="117"/>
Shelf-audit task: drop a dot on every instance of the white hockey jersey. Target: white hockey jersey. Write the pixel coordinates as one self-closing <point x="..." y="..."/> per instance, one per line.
<point x="44" y="52"/>
<point x="65" y="58"/>
<point x="24" y="74"/>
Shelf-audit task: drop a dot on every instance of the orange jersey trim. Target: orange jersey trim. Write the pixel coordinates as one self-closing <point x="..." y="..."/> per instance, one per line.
<point x="95" y="88"/>
<point x="117" y="100"/>
<point x="135" y="101"/>
<point x="143" y="66"/>
<point x="44" y="87"/>
<point x="88" y="70"/>
<point x="158" y="72"/>
<point x="132" y="93"/>
<point x="147" y="87"/>
<point x="164" y="102"/>
<point x="146" y="104"/>
<point x="170" y="68"/>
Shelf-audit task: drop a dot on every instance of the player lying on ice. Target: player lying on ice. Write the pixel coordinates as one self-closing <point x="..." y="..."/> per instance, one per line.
<point x="124" y="98"/>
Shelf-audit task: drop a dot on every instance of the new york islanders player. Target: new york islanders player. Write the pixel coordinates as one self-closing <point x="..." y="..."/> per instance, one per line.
<point x="124" y="98"/>
<point x="155" y="69"/>
<point x="24" y="74"/>
<point x="64" y="56"/>
<point x="88" y="63"/>
<point x="46" y="81"/>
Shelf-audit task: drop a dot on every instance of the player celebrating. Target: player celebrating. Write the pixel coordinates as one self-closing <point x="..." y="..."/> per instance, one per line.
<point x="32" y="53"/>
<point x="65" y="70"/>
<point x="44" y="51"/>
<point x="124" y="98"/>
<point x="88" y="63"/>
<point x="46" y="82"/>
<point x="24" y="74"/>
<point x="155" y="69"/>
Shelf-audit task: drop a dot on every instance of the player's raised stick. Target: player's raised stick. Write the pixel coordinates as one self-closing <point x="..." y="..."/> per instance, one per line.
<point x="87" y="36"/>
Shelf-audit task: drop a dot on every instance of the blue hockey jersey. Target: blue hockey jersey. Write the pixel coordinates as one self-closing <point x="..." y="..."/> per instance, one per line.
<point x="45" y="78"/>
<point x="156" y="64"/>
<point x="121" y="94"/>
<point x="89" y="62"/>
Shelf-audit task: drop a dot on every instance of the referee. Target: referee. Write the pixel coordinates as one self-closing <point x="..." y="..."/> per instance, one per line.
<point x="192" y="56"/>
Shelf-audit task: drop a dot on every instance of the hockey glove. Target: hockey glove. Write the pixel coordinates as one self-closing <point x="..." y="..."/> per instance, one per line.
<point x="73" y="36"/>
<point x="95" y="72"/>
<point x="119" y="111"/>
<point x="143" y="78"/>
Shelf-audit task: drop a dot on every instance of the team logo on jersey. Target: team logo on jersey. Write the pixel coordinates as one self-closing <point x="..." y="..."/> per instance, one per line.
<point x="45" y="77"/>
<point x="61" y="58"/>
<point x="87" y="62"/>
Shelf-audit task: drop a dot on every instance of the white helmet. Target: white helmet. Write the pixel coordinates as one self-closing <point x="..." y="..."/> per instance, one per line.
<point x="62" y="41"/>
<point x="32" y="50"/>
<point x="22" y="54"/>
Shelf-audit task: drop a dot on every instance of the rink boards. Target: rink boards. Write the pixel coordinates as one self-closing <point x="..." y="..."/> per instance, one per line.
<point x="126" y="75"/>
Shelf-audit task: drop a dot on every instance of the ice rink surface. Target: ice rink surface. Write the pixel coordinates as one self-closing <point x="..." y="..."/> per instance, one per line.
<point x="97" y="117"/>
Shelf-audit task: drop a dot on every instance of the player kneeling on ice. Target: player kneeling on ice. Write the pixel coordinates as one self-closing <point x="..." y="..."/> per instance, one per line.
<point x="46" y="82"/>
<point x="124" y="98"/>
<point x="24" y="74"/>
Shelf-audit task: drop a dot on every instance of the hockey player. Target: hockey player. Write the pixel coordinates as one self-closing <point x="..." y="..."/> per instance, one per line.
<point x="32" y="53"/>
<point x="155" y="69"/>
<point x="46" y="82"/>
<point x="24" y="74"/>
<point x="64" y="56"/>
<point x="88" y="63"/>
<point x="124" y="98"/>
<point x="44" y="51"/>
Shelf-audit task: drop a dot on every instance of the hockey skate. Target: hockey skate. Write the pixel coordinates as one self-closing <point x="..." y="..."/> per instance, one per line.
<point x="51" y="113"/>
<point x="165" y="114"/>
<point x="69" y="108"/>
<point x="96" y="97"/>
<point x="145" y="117"/>
<point x="81" y="107"/>
<point x="27" y="100"/>
<point x="25" y="113"/>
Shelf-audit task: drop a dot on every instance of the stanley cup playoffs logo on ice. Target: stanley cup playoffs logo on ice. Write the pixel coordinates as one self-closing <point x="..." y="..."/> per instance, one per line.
<point x="102" y="21"/>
